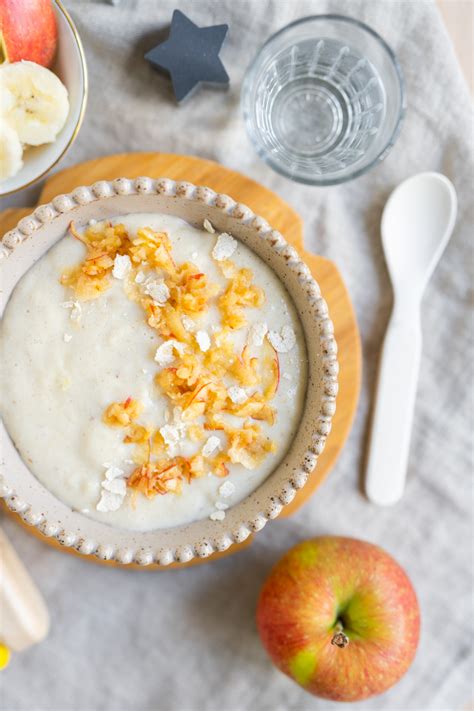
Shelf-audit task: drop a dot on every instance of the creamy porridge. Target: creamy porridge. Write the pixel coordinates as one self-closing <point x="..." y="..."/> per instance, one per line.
<point x="153" y="374"/>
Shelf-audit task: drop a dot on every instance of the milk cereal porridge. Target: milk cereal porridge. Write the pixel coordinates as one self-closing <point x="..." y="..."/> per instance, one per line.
<point x="153" y="374"/>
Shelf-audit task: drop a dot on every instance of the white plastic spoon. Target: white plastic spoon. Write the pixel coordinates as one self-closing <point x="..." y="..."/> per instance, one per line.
<point x="417" y="223"/>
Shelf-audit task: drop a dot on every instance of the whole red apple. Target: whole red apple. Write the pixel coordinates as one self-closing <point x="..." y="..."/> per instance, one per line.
<point x="28" y="30"/>
<point x="340" y="617"/>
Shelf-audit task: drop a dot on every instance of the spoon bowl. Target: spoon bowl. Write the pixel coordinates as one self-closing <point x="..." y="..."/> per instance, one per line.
<point x="416" y="226"/>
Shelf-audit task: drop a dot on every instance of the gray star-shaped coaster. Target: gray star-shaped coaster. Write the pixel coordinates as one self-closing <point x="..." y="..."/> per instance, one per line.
<point x="190" y="55"/>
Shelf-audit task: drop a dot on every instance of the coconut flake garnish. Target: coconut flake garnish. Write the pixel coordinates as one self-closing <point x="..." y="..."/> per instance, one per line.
<point x="212" y="444"/>
<point x="75" y="309"/>
<point x="203" y="340"/>
<point x="109" y="501"/>
<point x="115" y="486"/>
<point x="284" y="340"/>
<point x="165" y="353"/>
<point x="122" y="266"/>
<point x="170" y="434"/>
<point x="208" y="226"/>
<point x="67" y="338"/>
<point x="188" y="323"/>
<point x="140" y="278"/>
<point x="157" y="289"/>
<point x="113" y="490"/>
<point x="257" y="333"/>
<point x="112" y="472"/>
<point x="226" y="489"/>
<point x="237" y="395"/>
<point x="224" y="247"/>
<point x="217" y="516"/>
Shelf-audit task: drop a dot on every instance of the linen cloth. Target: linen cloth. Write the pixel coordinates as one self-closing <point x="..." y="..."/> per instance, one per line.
<point x="186" y="640"/>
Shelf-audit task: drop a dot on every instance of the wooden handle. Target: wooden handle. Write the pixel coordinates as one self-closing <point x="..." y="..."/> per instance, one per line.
<point x="24" y="618"/>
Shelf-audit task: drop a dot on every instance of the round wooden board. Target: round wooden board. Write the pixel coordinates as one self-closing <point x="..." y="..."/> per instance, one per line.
<point x="280" y="216"/>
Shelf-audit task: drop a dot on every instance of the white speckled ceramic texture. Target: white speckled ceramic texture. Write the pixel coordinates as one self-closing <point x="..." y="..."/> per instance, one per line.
<point x="24" y="494"/>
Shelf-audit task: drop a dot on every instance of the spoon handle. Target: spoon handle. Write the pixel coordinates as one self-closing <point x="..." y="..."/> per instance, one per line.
<point x="394" y="406"/>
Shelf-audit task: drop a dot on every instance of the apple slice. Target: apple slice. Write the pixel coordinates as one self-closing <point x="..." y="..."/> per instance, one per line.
<point x="28" y="31"/>
<point x="271" y="375"/>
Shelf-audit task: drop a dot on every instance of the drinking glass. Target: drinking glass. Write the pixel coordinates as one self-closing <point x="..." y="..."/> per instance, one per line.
<point x="323" y="100"/>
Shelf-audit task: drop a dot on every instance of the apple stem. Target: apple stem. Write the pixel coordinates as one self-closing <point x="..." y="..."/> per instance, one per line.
<point x="339" y="638"/>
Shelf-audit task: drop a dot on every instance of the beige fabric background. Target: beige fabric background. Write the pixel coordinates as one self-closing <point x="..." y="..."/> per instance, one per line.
<point x="458" y="16"/>
<point x="186" y="640"/>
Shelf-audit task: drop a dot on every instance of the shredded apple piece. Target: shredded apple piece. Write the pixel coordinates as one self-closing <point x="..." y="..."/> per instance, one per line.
<point x="239" y="293"/>
<point x="248" y="446"/>
<point x="166" y="475"/>
<point x="137" y="434"/>
<point x="121" y="414"/>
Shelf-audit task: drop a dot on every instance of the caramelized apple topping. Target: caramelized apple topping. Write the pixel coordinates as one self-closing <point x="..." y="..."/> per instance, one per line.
<point x="166" y="475"/>
<point x="240" y="292"/>
<point x="122" y="414"/>
<point x="248" y="446"/>
<point x="137" y="434"/>
<point x="203" y="377"/>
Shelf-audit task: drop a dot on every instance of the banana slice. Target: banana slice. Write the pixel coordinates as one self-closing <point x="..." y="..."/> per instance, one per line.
<point x="11" y="151"/>
<point x="34" y="102"/>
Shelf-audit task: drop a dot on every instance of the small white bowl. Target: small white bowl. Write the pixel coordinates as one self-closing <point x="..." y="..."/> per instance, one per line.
<point x="70" y="66"/>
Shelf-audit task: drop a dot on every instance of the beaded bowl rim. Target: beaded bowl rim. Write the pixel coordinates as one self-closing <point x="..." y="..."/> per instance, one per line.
<point x="215" y="536"/>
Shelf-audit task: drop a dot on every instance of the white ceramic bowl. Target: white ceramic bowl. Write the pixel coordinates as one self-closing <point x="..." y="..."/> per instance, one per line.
<point x="70" y="66"/>
<point x="23" y="493"/>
